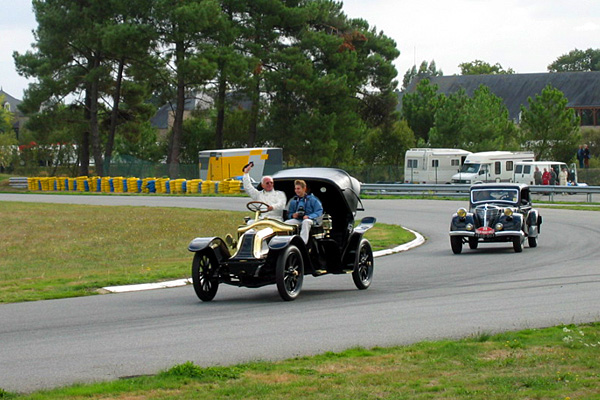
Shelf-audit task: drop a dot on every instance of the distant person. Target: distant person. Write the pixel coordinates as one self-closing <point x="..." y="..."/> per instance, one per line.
<point x="546" y="177"/>
<point x="275" y="199"/>
<point x="553" y="176"/>
<point x="304" y="209"/>
<point x="563" y="177"/>
<point x="537" y="176"/>
<point x="580" y="156"/>
<point x="586" y="156"/>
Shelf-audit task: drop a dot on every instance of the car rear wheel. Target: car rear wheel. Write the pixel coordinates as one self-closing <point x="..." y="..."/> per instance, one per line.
<point x="363" y="267"/>
<point x="456" y="244"/>
<point x="532" y="241"/>
<point x="204" y="278"/>
<point x="473" y="243"/>
<point x="289" y="273"/>
<point x="517" y="244"/>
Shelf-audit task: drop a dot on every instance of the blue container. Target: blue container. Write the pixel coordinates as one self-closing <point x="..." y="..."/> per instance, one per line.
<point x="124" y="185"/>
<point x="74" y="185"/>
<point x="111" y="184"/>
<point x="86" y="186"/>
<point x="99" y="185"/>
<point x="184" y="186"/>
<point x="168" y="186"/>
<point x="139" y="185"/>
<point x="151" y="185"/>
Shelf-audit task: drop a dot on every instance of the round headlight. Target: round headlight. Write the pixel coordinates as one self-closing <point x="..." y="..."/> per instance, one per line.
<point x="469" y="227"/>
<point x="499" y="226"/>
<point x="461" y="212"/>
<point x="508" y="212"/>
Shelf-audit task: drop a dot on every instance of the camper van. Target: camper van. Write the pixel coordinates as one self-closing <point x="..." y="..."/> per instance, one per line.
<point x="524" y="170"/>
<point x="490" y="166"/>
<point x="218" y="165"/>
<point x="425" y="165"/>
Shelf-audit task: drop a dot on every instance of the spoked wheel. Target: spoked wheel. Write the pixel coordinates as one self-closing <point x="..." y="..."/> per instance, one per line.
<point x="289" y="273"/>
<point x="532" y="241"/>
<point x="363" y="267"/>
<point x="517" y="244"/>
<point x="204" y="276"/>
<point x="456" y="244"/>
<point x="473" y="243"/>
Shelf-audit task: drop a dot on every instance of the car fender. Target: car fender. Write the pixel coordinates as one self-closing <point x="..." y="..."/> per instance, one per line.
<point x="365" y="224"/>
<point x="280" y="243"/>
<point x="512" y="223"/>
<point x="215" y="243"/>
<point x="534" y="220"/>
<point x="354" y="240"/>
<point x="458" y="223"/>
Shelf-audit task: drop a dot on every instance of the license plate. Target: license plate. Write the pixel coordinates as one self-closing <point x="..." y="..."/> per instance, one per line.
<point x="485" y="231"/>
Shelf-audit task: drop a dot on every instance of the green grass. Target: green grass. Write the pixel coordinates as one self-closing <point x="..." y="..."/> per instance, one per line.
<point x="54" y="251"/>
<point x="553" y="363"/>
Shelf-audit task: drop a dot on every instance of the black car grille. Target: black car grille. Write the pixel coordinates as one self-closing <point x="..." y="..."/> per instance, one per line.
<point x="487" y="216"/>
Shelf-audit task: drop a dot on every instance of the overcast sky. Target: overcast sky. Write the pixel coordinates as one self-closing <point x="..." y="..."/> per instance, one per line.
<point x="525" y="35"/>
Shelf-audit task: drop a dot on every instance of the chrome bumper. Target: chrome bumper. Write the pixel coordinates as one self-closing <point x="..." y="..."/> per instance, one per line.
<point x="496" y="234"/>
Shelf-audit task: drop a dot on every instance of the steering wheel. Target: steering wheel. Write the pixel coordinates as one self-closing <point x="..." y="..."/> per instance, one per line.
<point x="257" y="206"/>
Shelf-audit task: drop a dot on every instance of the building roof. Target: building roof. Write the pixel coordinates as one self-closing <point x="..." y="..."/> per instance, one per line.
<point x="13" y="102"/>
<point x="582" y="89"/>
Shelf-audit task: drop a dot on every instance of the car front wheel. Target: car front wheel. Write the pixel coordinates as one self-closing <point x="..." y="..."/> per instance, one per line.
<point x="289" y="273"/>
<point x="204" y="276"/>
<point x="473" y="243"/>
<point x="532" y="241"/>
<point x="456" y="244"/>
<point x="363" y="267"/>
<point x="517" y="244"/>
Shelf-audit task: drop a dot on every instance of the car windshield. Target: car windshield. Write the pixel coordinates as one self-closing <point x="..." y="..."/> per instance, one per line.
<point x="470" y="168"/>
<point x="492" y="195"/>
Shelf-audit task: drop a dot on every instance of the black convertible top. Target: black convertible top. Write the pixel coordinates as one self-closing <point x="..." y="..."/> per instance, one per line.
<point x="338" y="191"/>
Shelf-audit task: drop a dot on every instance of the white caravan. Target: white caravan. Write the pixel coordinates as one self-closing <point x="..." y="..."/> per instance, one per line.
<point x="424" y="165"/>
<point x="524" y="171"/>
<point x="490" y="166"/>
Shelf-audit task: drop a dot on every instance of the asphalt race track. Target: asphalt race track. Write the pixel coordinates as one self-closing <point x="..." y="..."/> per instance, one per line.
<point x="425" y="293"/>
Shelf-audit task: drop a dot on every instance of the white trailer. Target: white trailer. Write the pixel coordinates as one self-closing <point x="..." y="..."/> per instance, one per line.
<point x="490" y="166"/>
<point x="425" y="165"/>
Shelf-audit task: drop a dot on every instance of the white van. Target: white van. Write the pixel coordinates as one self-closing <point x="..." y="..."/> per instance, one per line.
<point x="425" y="165"/>
<point x="490" y="166"/>
<point x="524" y="171"/>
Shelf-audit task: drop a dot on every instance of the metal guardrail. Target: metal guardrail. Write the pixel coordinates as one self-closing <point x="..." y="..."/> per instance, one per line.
<point x="408" y="189"/>
<point x="18" y="182"/>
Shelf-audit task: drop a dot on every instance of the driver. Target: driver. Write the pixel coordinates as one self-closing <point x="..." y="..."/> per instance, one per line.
<point x="275" y="199"/>
<point x="304" y="208"/>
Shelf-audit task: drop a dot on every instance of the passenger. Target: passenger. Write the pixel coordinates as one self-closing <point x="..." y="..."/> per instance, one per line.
<point x="304" y="209"/>
<point x="275" y="199"/>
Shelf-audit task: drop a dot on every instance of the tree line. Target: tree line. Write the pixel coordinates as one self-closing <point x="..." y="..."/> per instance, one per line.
<point x="314" y="80"/>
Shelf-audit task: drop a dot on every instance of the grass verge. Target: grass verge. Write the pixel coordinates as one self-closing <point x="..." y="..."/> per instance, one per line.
<point x="54" y="251"/>
<point x="553" y="363"/>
